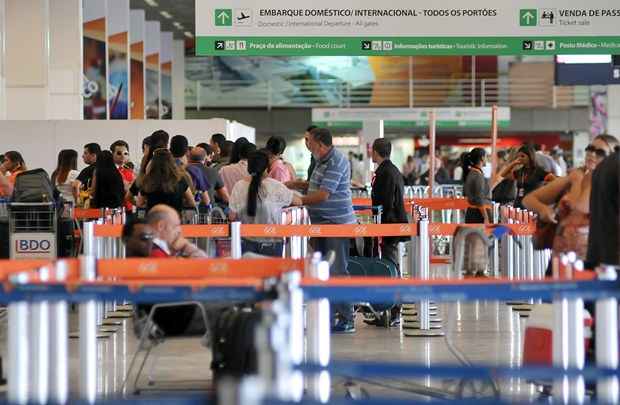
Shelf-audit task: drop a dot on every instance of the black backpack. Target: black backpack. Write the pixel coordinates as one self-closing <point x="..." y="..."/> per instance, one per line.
<point x="234" y="350"/>
<point x="34" y="186"/>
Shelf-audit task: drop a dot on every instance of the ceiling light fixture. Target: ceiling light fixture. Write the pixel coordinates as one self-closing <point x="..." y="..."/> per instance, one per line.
<point x="188" y="34"/>
<point x="165" y="14"/>
<point x="152" y="3"/>
<point x="178" y="25"/>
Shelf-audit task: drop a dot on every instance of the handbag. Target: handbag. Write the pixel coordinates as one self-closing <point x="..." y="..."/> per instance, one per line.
<point x="545" y="233"/>
<point x="505" y="191"/>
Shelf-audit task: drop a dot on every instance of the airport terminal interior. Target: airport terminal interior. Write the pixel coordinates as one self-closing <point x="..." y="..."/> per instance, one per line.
<point x="240" y="203"/>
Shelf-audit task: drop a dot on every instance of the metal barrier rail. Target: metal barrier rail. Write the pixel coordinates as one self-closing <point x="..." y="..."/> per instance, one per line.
<point x="386" y="93"/>
<point x="283" y="381"/>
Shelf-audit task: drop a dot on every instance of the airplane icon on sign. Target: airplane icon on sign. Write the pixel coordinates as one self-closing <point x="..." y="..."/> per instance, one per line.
<point x="243" y="17"/>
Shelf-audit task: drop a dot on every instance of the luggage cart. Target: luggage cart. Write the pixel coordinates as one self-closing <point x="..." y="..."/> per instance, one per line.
<point x="32" y="230"/>
<point x="212" y="215"/>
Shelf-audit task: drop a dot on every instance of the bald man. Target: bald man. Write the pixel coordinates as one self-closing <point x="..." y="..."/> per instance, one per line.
<point x="167" y="240"/>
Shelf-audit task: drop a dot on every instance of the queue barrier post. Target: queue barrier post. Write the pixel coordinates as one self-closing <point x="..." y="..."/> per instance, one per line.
<point x="100" y="251"/>
<point x="304" y="239"/>
<point x="18" y="353"/>
<point x="39" y="346"/>
<point x="291" y="295"/>
<point x="568" y="342"/>
<point x="235" y="240"/>
<point x="496" y="220"/>
<point x="424" y="274"/>
<point x="607" y="389"/>
<point x="318" y="344"/>
<point x="508" y="249"/>
<point x="576" y="349"/>
<point x="59" y="335"/>
<point x="88" y="320"/>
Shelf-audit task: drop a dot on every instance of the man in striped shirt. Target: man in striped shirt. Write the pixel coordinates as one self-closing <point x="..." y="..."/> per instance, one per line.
<point x="329" y="202"/>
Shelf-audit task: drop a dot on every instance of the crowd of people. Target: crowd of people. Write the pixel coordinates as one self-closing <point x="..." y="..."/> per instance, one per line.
<point x="578" y="207"/>
<point x="253" y="185"/>
<point x="449" y="167"/>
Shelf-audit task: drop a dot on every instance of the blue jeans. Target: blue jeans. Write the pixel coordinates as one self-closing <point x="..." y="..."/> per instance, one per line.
<point x="340" y="246"/>
<point x="262" y="248"/>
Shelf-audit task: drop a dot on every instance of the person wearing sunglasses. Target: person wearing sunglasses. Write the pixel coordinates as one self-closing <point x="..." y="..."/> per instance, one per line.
<point x="566" y="200"/>
<point x="120" y="153"/>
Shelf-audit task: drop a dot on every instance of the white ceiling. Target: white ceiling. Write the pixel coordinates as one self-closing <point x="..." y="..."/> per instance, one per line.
<point x="182" y="11"/>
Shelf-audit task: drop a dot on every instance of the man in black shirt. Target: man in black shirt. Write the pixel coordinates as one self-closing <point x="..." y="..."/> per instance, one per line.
<point x="603" y="240"/>
<point x="388" y="191"/>
<point x="312" y="161"/>
<point x="89" y="156"/>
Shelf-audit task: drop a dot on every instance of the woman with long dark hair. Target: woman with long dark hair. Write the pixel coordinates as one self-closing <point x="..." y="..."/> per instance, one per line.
<point x="476" y="188"/>
<point x="259" y="199"/>
<point x="526" y="172"/>
<point x="164" y="183"/>
<point x="235" y="154"/>
<point x="65" y="175"/>
<point x="107" y="185"/>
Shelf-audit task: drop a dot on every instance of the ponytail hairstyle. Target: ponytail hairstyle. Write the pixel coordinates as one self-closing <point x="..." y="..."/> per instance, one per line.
<point x="471" y="159"/>
<point x="258" y="163"/>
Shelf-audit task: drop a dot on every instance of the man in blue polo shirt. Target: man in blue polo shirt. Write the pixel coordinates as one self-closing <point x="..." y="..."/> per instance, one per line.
<point x="329" y="202"/>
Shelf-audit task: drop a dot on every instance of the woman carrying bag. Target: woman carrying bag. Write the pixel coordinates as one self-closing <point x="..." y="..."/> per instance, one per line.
<point x="564" y="204"/>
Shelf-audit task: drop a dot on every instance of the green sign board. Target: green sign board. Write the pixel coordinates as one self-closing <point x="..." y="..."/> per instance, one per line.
<point x="446" y="118"/>
<point x="403" y="27"/>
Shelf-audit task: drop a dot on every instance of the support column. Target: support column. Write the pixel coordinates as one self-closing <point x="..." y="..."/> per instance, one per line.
<point x="3" y="60"/>
<point x="613" y="110"/>
<point x="65" y="60"/>
<point x="178" y="80"/>
<point x="43" y="59"/>
<point x="27" y="55"/>
<point x="371" y="130"/>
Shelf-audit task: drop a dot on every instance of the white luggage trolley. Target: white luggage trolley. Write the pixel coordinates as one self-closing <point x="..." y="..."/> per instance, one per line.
<point x="32" y="230"/>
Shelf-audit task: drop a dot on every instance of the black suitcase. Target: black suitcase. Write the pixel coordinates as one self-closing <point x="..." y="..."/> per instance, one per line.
<point x="379" y="314"/>
<point x="233" y="343"/>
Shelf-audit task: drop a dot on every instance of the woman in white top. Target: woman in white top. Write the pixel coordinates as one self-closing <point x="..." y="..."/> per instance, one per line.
<point x="259" y="199"/>
<point x="65" y="175"/>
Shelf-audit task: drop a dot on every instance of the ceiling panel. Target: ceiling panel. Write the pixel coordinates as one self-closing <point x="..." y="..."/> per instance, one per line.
<point x="182" y="11"/>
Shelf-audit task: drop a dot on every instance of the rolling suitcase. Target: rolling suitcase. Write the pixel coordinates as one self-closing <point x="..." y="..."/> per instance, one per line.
<point x="379" y="314"/>
<point x="233" y="344"/>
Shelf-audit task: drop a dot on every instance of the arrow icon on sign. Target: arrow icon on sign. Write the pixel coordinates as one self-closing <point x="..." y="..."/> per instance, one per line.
<point x="223" y="16"/>
<point x="528" y="17"/>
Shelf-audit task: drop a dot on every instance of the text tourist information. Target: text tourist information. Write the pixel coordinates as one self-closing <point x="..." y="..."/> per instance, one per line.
<point x="405" y="27"/>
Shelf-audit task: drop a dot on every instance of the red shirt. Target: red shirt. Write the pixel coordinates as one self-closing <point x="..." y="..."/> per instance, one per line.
<point x="158" y="253"/>
<point x="128" y="178"/>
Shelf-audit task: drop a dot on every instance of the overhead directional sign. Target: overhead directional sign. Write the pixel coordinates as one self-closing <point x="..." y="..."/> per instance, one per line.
<point x="458" y="117"/>
<point x="405" y="27"/>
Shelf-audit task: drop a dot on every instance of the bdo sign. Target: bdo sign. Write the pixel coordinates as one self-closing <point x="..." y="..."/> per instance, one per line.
<point x="33" y="246"/>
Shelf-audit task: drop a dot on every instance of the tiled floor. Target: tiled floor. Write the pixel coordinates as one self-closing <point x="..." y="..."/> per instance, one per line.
<point x="481" y="332"/>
